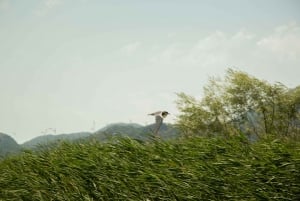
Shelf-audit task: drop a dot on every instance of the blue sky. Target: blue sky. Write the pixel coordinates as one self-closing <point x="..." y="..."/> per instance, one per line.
<point x="66" y="64"/>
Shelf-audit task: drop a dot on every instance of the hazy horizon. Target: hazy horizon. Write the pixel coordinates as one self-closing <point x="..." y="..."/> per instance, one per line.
<point x="79" y="65"/>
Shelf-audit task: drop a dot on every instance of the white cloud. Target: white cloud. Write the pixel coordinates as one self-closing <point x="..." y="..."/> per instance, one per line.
<point x="274" y="56"/>
<point x="131" y="48"/>
<point x="52" y="3"/>
<point x="48" y="5"/>
<point x="214" y="49"/>
<point x="221" y="47"/>
<point x="284" y="42"/>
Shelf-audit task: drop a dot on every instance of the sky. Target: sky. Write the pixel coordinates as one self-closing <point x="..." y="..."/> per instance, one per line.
<point x="77" y="65"/>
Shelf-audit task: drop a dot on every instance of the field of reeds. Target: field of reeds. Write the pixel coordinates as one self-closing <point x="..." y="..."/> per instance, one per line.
<point x="195" y="168"/>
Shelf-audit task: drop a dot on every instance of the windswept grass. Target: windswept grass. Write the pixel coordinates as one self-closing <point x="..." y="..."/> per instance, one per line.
<point x="187" y="169"/>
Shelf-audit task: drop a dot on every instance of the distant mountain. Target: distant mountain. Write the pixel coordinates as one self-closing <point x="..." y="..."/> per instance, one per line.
<point x="48" y="139"/>
<point x="8" y="145"/>
<point x="120" y="127"/>
<point x="166" y="131"/>
<point x="132" y="130"/>
<point x="135" y="131"/>
<point x="114" y="125"/>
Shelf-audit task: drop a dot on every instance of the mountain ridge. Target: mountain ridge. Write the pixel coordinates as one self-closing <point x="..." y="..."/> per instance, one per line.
<point x="132" y="130"/>
<point x="8" y="145"/>
<point x="50" y="138"/>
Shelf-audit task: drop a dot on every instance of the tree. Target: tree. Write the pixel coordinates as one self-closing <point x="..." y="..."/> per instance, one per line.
<point x="241" y="103"/>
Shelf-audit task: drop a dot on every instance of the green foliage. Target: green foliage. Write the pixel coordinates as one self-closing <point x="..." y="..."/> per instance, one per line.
<point x="241" y="103"/>
<point x="194" y="168"/>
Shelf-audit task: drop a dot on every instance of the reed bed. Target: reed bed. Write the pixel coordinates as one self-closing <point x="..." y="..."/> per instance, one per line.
<point x="195" y="168"/>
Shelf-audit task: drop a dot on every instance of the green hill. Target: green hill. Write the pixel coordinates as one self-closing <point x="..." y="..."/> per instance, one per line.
<point x="131" y="130"/>
<point x="194" y="168"/>
<point x="49" y="139"/>
<point x="135" y="131"/>
<point x="8" y="145"/>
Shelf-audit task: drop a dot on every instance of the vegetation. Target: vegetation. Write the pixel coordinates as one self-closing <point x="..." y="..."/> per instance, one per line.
<point x="241" y="103"/>
<point x="196" y="168"/>
<point x="213" y="160"/>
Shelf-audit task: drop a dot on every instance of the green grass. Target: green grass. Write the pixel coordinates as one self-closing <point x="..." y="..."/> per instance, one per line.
<point x="184" y="169"/>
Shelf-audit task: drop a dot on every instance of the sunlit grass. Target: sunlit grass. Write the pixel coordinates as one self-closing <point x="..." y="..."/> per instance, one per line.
<point x="184" y="169"/>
